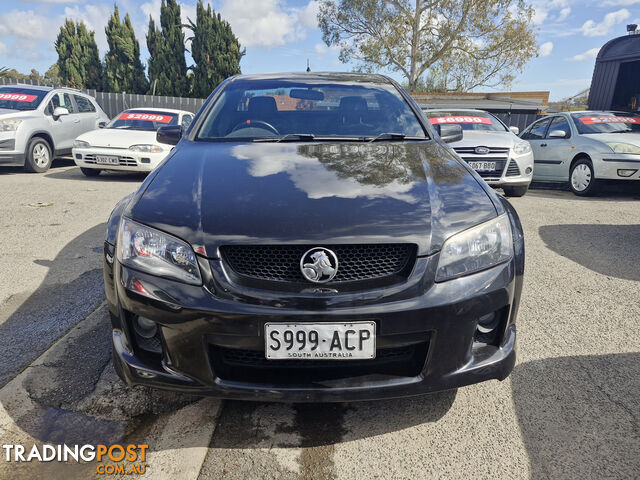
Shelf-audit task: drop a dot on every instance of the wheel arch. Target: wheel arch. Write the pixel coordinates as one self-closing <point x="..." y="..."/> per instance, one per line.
<point x="45" y="136"/>
<point x="577" y="157"/>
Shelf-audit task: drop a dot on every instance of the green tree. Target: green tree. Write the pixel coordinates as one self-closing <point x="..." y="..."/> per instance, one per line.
<point x="78" y="63"/>
<point x="215" y="50"/>
<point x="466" y="43"/>
<point x="52" y="76"/>
<point x="167" y="64"/>
<point x="123" y="69"/>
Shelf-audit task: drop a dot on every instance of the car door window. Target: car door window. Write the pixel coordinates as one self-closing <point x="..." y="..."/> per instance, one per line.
<point x="559" y="123"/>
<point x="537" y="130"/>
<point x="186" y="121"/>
<point x="84" y="104"/>
<point x="60" y="100"/>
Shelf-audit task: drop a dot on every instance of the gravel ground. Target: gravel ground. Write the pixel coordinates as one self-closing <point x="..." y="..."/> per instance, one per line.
<point x="570" y="409"/>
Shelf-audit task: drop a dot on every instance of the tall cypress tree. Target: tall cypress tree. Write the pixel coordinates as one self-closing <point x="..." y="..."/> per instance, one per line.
<point x="78" y="58"/>
<point x="215" y="50"/>
<point x="167" y="64"/>
<point x="123" y="69"/>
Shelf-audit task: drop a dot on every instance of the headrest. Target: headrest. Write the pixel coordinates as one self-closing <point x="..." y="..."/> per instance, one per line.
<point x="262" y="106"/>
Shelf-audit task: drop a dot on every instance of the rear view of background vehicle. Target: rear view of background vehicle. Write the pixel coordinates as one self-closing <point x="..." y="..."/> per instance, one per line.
<point x="584" y="147"/>
<point x="128" y="142"/>
<point x="490" y="148"/>
<point x="38" y="124"/>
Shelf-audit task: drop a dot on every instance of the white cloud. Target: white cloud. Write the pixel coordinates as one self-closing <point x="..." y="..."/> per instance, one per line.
<point x="322" y="49"/>
<point x="593" y="29"/>
<point x="546" y="49"/>
<point x="266" y="23"/>
<point x="95" y="17"/>
<point x="3" y="48"/>
<point x="564" y="13"/>
<point x="52" y="1"/>
<point x="26" y="25"/>
<point x="589" y="54"/>
<point x="539" y="15"/>
<point x="309" y="14"/>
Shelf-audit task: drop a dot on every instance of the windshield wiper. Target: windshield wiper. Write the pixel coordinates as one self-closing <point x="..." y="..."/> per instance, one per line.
<point x="289" y="137"/>
<point x="386" y="136"/>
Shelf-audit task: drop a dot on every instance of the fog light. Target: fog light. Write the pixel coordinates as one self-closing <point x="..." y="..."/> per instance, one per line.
<point x="488" y="323"/>
<point x="145" y="328"/>
<point x="528" y="170"/>
<point x="626" y="173"/>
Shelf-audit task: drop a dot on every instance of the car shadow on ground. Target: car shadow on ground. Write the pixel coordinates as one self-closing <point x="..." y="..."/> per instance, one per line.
<point x="111" y="176"/>
<point x="607" y="191"/>
<point x="580" y="416"/>
<point x="611" y="250"/>
<point x="17" y="169"/>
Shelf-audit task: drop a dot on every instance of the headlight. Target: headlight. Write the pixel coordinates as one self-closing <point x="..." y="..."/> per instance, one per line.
<point x="521" y="148"/>
<point x="476" y="249"/>
<point x="619" y="147"/>
<point x="9" y="125"/>
<point x="146" y="148"/>
<point x="80" y="144"/>
<point x="157" y="253"/>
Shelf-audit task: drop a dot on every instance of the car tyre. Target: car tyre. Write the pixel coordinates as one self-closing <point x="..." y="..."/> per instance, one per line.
<point x="90" y="172"/>
<point x="582" y="179"/>
<point x="39" y="156"/>
<point x="516" y="191"/>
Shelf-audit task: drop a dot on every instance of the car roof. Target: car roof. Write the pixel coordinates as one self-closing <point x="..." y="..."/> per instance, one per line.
<point x="317" y="76"/>
<point x="155" y="109"/>
<point x="470" y="110"/>
<point x="28" y="87"/>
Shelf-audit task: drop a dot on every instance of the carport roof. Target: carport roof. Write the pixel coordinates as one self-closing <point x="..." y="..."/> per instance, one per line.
<point x="528" y="101"/>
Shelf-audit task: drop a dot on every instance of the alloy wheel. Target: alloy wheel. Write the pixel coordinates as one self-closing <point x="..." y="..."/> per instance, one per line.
<point x="41" y="155"/>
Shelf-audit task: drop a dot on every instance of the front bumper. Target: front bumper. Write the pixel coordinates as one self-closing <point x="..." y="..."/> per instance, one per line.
<point x="195" y="323"/>
<point x="609" y="165"/>
<point x="507" y="178"/>
<point x="10" y="152"/>
<point x="128" y="161"/>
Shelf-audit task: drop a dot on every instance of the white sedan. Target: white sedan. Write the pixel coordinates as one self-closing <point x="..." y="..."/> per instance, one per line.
<point x="128" y="142"/>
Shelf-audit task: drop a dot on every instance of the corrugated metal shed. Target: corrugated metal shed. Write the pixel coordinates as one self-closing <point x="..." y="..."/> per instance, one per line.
<point x="612" y="84"/>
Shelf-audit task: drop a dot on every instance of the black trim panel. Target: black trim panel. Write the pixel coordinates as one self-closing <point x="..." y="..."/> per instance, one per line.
<point x="548" y="162"/>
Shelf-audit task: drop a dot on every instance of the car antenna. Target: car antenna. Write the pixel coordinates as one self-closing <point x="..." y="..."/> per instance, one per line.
<point x="308" y="67"/>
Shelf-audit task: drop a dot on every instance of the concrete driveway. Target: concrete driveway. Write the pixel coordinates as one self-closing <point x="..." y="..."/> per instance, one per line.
<point x="570" y="409"/>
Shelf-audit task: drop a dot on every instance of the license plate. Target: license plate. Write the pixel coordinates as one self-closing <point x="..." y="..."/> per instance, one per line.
<point x="103" y="159"/>
<point x="320" y="341"/>
<point x="483" y="166"/>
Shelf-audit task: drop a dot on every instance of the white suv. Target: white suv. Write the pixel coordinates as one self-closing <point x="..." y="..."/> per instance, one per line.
<point x="38" y="124"/>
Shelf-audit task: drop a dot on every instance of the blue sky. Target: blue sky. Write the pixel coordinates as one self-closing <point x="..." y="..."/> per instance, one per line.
<point x="281" y="34"/>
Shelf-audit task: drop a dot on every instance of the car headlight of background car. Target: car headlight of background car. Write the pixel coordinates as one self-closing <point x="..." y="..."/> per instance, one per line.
<point x="80" y="144"/>
<point x="157" y="253"/>
<point x="521" y="148"/>
<point x="9" y="125"/>
<point x="146" y="148"/>
<point x="628" y="148"/>
<point x="476" y="249"/>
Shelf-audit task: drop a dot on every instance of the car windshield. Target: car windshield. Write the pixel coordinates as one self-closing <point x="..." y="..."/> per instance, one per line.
<point x="284" y="110"/>
<point x="143" y="120"/>
<point x="606" y="122"/>
<point x="478" y="121"/>
<point x="16" y="98"/>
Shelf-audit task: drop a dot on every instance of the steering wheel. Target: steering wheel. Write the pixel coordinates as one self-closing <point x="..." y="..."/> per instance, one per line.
<point x="255" y="123"/>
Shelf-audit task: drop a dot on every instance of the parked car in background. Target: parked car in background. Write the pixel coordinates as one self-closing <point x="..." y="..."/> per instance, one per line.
<point x="128" y="142"/>
<point x="312" y="239"/>
<point x="490" y="148"/>
<point x="38" y="124"/>
<point x="585" y="147"/>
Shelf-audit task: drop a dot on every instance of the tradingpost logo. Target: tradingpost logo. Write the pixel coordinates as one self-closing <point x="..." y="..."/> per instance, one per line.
<point x="111" y="458"/>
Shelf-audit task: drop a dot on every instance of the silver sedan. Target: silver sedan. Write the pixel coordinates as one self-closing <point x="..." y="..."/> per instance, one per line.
<point x="582" y="148"/>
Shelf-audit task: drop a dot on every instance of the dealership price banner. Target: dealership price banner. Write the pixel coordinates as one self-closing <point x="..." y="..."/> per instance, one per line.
<point x="598" y="120"/>
<point x="17" y="97"/>
<point x="149" y="117"/>
<point x="473" y="120"/>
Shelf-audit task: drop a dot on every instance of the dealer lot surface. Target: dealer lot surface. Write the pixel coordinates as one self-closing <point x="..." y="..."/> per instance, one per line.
<point x="570" y="409"/>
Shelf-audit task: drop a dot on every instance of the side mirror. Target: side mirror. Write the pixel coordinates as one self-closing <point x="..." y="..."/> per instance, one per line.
<point x="170" y="135"/>
<point x="557" y="134"/>
<point x="450" y="133"/>
<point x="515" y="130"/>
<point x="102" y="124"/>
<point x="60" y="111"/>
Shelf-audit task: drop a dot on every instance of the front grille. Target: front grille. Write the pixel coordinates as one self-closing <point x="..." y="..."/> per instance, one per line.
<point x="281" y="263"/>
<point x="472" y="150"/>
<point x="513" y="170"/>
<point x="122" y="161"/>
<point x="500" y="155"/>
<point x="252" y="366"/>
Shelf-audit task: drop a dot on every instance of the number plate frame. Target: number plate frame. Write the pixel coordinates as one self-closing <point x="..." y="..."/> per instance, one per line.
<point x="107" y="160"/>
<point x="480" y="166"/>
<point x="326" y="331"/>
